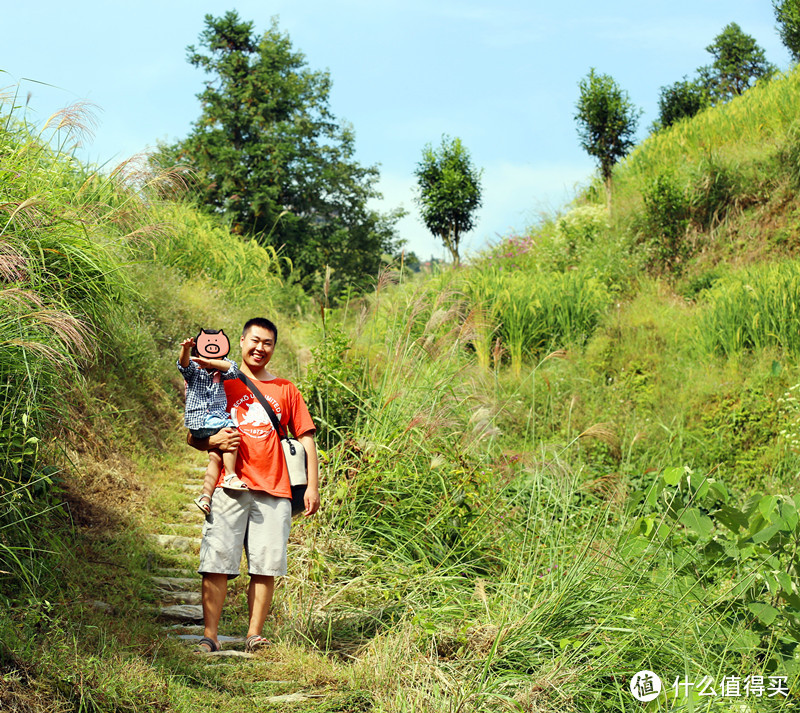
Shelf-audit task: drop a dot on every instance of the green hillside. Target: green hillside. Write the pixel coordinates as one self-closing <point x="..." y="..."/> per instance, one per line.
<point x="569" y="461"/>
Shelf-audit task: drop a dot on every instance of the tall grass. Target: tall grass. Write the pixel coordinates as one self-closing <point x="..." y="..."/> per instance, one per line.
<point x="752" y="309"/>
<point x="526" y="583"/>
<point x="743" y="126"/>
<point x="537" y="311"/>
<point x="198" y="245"/>
<point x="61" y="266"/>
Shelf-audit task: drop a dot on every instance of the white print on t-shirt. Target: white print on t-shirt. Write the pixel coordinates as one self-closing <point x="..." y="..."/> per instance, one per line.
<point x="255" y="417"/>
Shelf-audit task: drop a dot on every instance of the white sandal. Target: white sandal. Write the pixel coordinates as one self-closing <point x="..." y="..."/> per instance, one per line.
<point x="232" y="482"/>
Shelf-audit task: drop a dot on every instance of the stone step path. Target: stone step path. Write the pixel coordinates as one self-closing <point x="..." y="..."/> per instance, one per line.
<point x="177" y="588"/>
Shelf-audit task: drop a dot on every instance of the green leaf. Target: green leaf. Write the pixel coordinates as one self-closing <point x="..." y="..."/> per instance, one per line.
<point x="765" y="613"/>
<point x="732" y="518"/>
<point x="785" y="581"/>
<point x="652" y="494"/>
<point x="766" y="505"/>
<point x="719" y="491"/>
<point x="697" y="522"/>
<point x="751" y="505"/>
<point x="773" y="584"/>
<point x="732" y="550"/>
<point x="699" y="485"/>
<point x="672" y="476"/>
<point x="766" y="534"/>
<point x="788" y="516"/>
<point x="643" y="526"/>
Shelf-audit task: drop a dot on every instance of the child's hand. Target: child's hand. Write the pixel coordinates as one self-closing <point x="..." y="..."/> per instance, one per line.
<point x="186" y="350"/>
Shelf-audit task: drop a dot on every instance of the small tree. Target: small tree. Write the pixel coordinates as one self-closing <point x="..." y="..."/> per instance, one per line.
<point x="787" y="13"/>
<point x="449" y="192"/>
<point x="681" y="100"/>
<point x="738" y="63"/>
<point x="606" y="122"/>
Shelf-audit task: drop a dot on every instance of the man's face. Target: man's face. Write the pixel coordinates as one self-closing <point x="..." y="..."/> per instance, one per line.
<point x="258" y="345"/>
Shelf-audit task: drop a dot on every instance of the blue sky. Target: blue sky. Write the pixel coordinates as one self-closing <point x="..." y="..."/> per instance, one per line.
<point x="502" y="76"/>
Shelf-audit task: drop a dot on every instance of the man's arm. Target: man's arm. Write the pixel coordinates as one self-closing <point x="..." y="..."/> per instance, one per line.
<point x="227" y="439"/>
<point x="311" y="499"/>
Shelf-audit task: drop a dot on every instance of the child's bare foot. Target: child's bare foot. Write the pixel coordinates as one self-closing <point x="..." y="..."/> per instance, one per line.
<point x="203" y="501"/>
<point x="233" y="482"/>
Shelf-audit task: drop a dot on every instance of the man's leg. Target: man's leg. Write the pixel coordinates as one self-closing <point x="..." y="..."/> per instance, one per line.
<point x="259" y="601"/>
<point x="268" y="533"/>
<point x="215" y="587"/>
<point x="220" y="552"/>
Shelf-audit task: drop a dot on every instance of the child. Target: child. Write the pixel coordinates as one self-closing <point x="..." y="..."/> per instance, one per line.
<point x="206" y="404"/>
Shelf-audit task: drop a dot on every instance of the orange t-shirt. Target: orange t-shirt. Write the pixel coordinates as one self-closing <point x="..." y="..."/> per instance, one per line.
<point x="260" y="462"/>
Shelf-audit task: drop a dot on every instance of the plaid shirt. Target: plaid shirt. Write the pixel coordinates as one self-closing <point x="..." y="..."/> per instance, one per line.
<point x="205" y="396"/>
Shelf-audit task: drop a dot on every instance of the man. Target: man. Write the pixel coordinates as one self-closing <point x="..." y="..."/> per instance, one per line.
<point x="257" y="519"/>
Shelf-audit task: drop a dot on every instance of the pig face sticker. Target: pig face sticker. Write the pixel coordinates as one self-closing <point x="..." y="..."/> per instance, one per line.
<point x="212" y="344"/>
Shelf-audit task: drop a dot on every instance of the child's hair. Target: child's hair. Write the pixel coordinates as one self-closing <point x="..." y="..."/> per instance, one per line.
<point x="262" y="322"/>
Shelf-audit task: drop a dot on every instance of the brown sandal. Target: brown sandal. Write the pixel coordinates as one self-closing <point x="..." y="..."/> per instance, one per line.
<point x="207" y="646"/>
<point x="254" y="643"/>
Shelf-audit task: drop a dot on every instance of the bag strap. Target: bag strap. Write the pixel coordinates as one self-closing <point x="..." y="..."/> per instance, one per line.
<point x="276" y="424"/>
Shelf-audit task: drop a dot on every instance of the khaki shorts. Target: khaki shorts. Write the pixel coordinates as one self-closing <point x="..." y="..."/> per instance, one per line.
<point x="249" y="519"/>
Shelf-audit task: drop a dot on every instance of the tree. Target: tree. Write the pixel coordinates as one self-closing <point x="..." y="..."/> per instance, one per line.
<point x="271" y="158"/>
<point x="681" y="100"/>
<point x="738" y="63"/>
<point x="787" y="13"/>
<point x="449" y="192"/>
<point x="606" y="122"/>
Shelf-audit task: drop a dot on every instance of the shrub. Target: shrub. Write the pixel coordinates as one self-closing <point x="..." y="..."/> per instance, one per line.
<point x="332" y="386"/>
<point x="666" y="217"/>
<point x="681" y="100"/>
<point x="789" y="154"/>
<point x="713" y="193"/>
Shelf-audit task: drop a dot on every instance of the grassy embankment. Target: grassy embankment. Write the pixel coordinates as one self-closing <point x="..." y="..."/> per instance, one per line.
<point x="573" y="460"/>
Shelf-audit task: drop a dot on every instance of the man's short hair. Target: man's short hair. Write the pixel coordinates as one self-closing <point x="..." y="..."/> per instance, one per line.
<point x="262" y="322"/>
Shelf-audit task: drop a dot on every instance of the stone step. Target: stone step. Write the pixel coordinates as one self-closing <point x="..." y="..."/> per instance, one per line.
<point x="176" y="542"/>
<point x="175" y="584"/>
<point x="178" y="572"/>
<point x="222" y="639"/>
<point x="181" y="612"/>
<point x="228" y="653"/>
<point x="185" y="629"/>
<point x="186" y="526"/>
<point x="292" y="698"/>
<point x="167" y="595"/>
